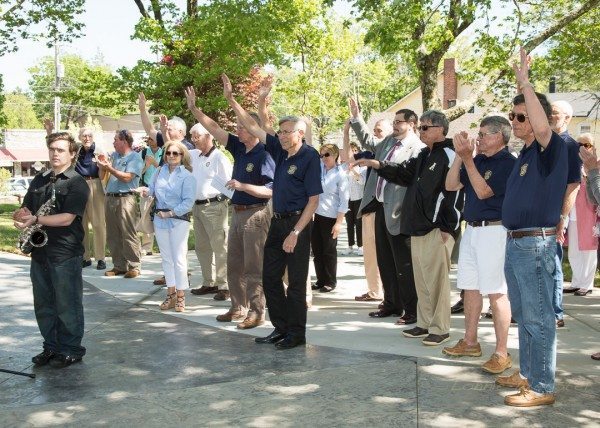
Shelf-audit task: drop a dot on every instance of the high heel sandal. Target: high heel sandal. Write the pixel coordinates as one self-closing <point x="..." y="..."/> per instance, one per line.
<point x="169" y="302"/>
<point x="180" y="305"/>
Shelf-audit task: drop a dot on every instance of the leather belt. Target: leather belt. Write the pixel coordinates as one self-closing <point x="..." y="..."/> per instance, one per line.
<point x="484" y="223"/>
<point x="287" y="215"/>
<point x="185" y="217"/>
<point x="217" y="198"/>
<point x="120" y="194"/>
<point x="88" y="177"/>
<point x="248" y="207"/>
<point x="516" y="234"/>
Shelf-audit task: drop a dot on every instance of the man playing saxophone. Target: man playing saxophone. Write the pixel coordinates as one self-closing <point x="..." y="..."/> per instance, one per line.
<point x="56" y="266"/>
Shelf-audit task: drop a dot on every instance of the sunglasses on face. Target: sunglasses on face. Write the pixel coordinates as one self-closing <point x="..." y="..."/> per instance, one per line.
<point x="426" y="127"/>
<point x="173" y="154"/>
<point x="520" y="116"/>
<point x="586" y="145"/>
<point x="324" y="155"/>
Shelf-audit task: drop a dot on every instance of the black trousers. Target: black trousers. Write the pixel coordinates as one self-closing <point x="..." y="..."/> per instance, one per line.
<point x="287" y="311"/>
<point x="324" y="251"/>
<point x="354" y="224"/>
<point x="395" y="268"/>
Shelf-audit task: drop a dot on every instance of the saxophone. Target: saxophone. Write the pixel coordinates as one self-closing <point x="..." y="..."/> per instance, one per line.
<point x="34" y="235"/>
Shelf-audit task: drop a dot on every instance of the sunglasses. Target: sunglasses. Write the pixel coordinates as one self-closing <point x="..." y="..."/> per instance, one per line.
<point x="173" y="153"/>
<point x="586" y="145"/>
<point x="520" y="116"/>
<point x="426" y="127"/>
<point x="325" y="155"/>
<point x="480" y="135"/>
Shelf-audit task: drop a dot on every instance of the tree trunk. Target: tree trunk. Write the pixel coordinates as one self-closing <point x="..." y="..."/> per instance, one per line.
<point x="428" y="70"/>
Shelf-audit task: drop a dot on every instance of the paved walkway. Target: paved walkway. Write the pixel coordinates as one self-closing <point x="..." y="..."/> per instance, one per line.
<point x="150" y="368"/>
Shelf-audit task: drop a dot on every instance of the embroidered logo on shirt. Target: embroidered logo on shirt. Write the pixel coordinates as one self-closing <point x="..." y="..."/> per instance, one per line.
<point x="292" y="169"/>
<point x="431" y="168"/>
<point x="250" y="167"/>
<point x="208" y="163"/>
<point x="523" y="170"/>
<point x="487" y="175"/>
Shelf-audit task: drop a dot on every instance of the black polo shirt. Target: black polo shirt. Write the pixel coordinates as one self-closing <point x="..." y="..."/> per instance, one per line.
<point x="495" y="171"/>
<point x="72" y="194"/>
<point x="296" y="177"/>
<point x="575" y="162"/>
<point x="85" y="162"/>
<point x="536" y="186"/>
<point x="254" y="167"/>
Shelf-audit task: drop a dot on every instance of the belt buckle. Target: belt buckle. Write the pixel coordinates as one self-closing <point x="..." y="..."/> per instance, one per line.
<point x="207" y="202"/>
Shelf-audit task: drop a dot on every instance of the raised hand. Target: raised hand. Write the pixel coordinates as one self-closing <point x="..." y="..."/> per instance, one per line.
<point x="48" y="126"/>
<point x="522" y="70"/>
<point x="142" y="101"/>
<point x="353" y="106"/>
<point x="190" y="97"/>
<point x="227" y="88"/>
<point x="589" y="158"/>
<point x="265" y="87"/>
<point x="164" y="121"/>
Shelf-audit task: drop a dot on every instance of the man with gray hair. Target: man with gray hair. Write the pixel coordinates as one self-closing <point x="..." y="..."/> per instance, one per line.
<point x="482" y="248"/>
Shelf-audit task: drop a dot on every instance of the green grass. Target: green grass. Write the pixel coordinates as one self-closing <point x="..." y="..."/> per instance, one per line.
<point x="9" y="234"/>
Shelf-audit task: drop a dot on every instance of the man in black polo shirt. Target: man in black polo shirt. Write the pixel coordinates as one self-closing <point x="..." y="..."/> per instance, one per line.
<point x="530" y="212"/>
<point x="296" y="190"/>
<point x="56" y="266"/>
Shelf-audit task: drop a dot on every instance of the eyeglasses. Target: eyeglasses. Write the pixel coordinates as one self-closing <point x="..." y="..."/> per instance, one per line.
<point x="520" y="116"/>
<point x="586" y="145"/>
<point x="480" y="135"/>
<point x="324" y="155"/>
<point x="396" y="122"/>
<point x="173" y="153"/>
<point x="426" y="127"/>
<point x="284" y="132"/>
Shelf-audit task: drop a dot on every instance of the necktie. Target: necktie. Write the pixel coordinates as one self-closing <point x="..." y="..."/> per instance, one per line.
<point x="380" y="180"/>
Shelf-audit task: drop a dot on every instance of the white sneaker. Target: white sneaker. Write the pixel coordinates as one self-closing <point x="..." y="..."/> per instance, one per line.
<point x="359" y="251"/>
<point x="348" y="251"/>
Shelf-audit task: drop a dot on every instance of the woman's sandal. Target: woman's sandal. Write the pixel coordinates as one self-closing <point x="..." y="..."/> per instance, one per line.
<point x="169" y="302"/>
<point x="180" y="305"/>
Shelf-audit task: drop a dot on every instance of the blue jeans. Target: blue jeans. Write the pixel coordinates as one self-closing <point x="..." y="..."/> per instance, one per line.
<point x="58" y="304"/>
<point x="558" y="284"/>
<point x="530" y="268"/>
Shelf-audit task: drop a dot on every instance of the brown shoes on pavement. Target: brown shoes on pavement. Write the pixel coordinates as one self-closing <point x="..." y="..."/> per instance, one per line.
<point x="528" y="398"/>
<point x="204" y="290"/>
<point x="461" y="349"/>
<point x="250" y="323"/>
<point x="230" y="316"/>
<point x="366" y="298"/>
<point x="114" y="272"/>
<point x="514" y="381"/>
<point x="222" y="295"/>
<point x="133" y="273"/>
<point x="497" y="364"/>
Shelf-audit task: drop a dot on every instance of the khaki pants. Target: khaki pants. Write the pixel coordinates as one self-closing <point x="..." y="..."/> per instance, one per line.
<point x="147" y="238"/>
<point x="374" y="286"/>
<point x="210" y="234"/>
<point x="431" y="266"/>
<point x="94" y="216"/>
<point x="121" y="217"/>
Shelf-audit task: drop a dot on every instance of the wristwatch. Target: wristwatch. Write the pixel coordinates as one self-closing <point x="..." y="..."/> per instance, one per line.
<point x="296" y="232"/>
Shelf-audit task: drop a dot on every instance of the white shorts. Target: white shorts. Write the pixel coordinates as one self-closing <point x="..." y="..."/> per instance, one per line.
<point x="481" y="260"/>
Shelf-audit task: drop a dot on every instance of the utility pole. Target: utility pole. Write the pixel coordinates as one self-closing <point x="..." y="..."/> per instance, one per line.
<point x="59" y="72"/>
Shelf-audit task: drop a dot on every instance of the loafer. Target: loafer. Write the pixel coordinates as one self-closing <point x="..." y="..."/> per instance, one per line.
<point x="101" y="265"/>
<point x="415" y="332"/>
<point x="570" y="289"/>
<point x="527" y="398"/>
<point x="315" y="287"/>
<point x="133" y="273"/>
<point x="435" y="339"/>
<point x="458" y="307"/>
<point x="560" y="323"/>
<point x="274" y="337"/>
<point x="43" y="357"/>
<point x="497" y="364"/>
<point x="222" y="295"/>
<point x="582" y="293"/>
<point x="462" y="349"/>
<point x="230" y="316"/>
<point x="596" y="356"/>
<point x="406" y="319"/>
<point x="381" y="313"/>
<point x="60" y="360"/>
<point x="250" y="323"/>
<point x="514" y="381"/>
<point x="160" y="281"/>
<point x="86" y="263"/>
<point x="204" y="290"/>
<point x="327" y="288"/>
<point x="114" y="272"/>
<point x="289" y="342"/>
<point x="365" y="298"/>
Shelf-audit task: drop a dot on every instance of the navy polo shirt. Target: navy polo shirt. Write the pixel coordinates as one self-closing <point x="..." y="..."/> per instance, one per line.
<point x="296" y="177"/>
<point x="160" y="141"/>
<point x="495" y="171"/>
<point x="85" y="165"/>
<point x="536" y="186"/>
<point x="575" y="162"/>
<point x="255" y="167"/>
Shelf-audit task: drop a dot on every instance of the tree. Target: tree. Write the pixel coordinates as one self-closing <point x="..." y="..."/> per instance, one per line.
<point x="422" y="32"/>
<point x="19" y="112"/>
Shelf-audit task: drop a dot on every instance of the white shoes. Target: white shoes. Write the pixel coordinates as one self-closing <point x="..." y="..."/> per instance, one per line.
<point x="358" y="251"/>
<point x="348" y="251"/>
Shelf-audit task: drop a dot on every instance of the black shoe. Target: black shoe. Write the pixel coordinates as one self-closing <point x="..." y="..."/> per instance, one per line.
<point x="327" y="288"/>
<point x="290" y="342"/>
<point x="316" y="287"/>
<point x="416" y="332"/>
<point x="101" y="265"/>
<point x="489" y="314"/>
<point x="382" y="313"/>
<point x="86" y="263"/>
<point x="274" y="337"/>
<point x="458" y="307"/>
<point x="60" y="360"/>
<point x="43" y="358"/>
<point x="570" y="289"/>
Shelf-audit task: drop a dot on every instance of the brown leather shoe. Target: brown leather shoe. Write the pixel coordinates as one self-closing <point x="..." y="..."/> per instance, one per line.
<point x="133" y="273"/>
<point x="204" y="290"/>
<point x="250" y="323"/>
<point x="160" y="281"/>
<point x="230" y="316"/>
<point x="497" y="364"/>
<point x="461" y="349"/>
<point x="222" y="295"/>
<point x="527" y="398"/>
<point x="513" y="381"/>
<point x="114" y="272"/>
<point x="366" y="298"/>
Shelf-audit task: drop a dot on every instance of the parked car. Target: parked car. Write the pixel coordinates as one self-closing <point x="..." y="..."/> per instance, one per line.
<point x="23" y="181"/>
<point x="17" y="189"/>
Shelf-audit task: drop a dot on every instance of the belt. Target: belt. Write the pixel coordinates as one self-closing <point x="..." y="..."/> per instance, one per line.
<point x="516" y="234"/>
<point x="88" y="177"/>
<point x="120" y="194"/>
<point x="287" y="215"/>
<point x="484" y="223"/>
<point x="185" y="217"/>
<point x="217" y="198"/>
<point x="248" y="207"/>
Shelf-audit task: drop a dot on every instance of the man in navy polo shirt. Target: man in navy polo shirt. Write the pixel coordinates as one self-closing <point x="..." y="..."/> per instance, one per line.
<point x="296" y="190"/>
<point x="482" y="247"/>
<point x="252" y="180"/>
<point x="530" y="212"/>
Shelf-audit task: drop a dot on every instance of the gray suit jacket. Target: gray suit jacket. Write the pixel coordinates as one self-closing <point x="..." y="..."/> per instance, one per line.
<point x="393" y="194"/>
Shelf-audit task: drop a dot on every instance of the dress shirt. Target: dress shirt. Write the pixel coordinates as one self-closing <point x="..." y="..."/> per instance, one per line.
<point x="173" y="190"/>
<point x="334" y="199"/>
<point x="205" y="168"/>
